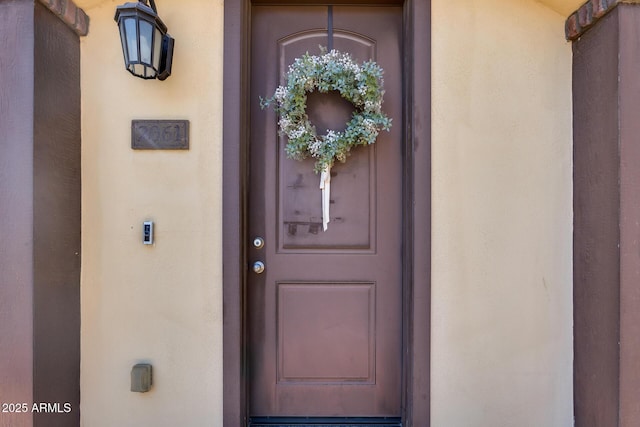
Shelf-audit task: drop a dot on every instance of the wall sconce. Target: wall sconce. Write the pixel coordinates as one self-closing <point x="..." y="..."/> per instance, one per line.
<point x="146" y="46"/>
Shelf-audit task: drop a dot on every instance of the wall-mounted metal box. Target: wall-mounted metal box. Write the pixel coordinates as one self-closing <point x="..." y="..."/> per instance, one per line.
<point x="141" y="378"/>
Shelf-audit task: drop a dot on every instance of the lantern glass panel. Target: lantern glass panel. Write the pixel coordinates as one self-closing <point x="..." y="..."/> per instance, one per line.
<point x="157" y="49"/>
<point x="123" y="40"/>
<point x="132" y="38"/>
<point x="137" y="69"/>
<point x="146" y="40"/>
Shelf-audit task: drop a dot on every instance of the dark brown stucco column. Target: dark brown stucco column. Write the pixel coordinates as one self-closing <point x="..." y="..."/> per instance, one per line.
<point x="606" y="96"/>
<point x="39" y="217"/>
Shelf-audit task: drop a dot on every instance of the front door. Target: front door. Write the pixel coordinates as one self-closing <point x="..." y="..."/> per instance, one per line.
<point x="325" y="315"/>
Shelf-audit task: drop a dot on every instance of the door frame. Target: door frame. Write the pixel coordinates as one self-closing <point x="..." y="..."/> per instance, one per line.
<point x="416" y="206"/>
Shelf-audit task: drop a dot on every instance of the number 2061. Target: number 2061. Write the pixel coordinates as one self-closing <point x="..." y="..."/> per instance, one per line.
<point x="15" y="407"/>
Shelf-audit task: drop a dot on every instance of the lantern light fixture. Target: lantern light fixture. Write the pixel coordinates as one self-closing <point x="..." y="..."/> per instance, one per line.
<point x="146" y="46"/>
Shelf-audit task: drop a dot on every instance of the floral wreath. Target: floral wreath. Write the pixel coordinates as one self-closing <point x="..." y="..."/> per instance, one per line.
<point x="332" y="71"/>
<point x="359" y="84"/>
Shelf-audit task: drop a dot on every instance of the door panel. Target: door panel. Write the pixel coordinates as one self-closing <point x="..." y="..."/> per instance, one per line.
<point x="325" y="317"/>
<point x="314" y="317"/>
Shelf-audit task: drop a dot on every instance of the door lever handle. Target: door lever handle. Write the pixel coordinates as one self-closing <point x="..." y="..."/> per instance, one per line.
<point x="258" y="267"/>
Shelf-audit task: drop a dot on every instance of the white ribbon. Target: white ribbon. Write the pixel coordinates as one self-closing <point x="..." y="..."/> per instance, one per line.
<point x="325" y="186"/>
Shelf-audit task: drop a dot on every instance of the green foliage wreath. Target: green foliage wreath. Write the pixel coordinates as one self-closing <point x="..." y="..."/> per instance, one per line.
<point x="362" y="85"/>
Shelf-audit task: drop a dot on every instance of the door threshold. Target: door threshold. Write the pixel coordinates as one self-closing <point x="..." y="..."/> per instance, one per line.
<point x="325" y="422"/>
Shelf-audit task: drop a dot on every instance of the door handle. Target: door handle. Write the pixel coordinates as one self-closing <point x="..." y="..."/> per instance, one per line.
<point x="258" y="267"/>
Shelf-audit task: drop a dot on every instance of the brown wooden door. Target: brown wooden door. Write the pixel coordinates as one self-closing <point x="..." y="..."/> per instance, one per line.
<point x="325" y="317"/>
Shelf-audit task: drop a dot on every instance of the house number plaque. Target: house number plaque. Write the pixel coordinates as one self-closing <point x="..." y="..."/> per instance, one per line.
<point x="160" y="134"/>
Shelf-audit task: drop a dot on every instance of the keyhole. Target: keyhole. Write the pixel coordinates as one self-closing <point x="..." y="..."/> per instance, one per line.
<point x="328" y="111"/>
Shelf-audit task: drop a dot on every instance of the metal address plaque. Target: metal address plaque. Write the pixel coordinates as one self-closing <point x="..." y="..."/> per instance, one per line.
<point x="160" y="134"/>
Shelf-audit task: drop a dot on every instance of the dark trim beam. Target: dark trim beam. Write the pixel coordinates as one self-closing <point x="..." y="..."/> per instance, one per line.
<point x="40" y="212"/>
<point x="74" y="17"/>
<point x="588" y="15"/>
<point x="606" y="98"/>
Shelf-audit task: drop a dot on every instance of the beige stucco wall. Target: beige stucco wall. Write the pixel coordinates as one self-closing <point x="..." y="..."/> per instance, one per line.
<point x="159" y="304"/>
<point x="501" y="269"/>
<point x="502" y="215"/>
<point x="564" y="7"/>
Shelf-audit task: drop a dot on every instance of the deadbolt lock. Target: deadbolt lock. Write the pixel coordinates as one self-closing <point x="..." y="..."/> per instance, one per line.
<point x="258" y="243"/>
<point x="258" y="267"/>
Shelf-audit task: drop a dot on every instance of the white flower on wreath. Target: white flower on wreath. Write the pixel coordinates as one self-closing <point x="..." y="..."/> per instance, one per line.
<point x="281" y="93"/>
<point x="297" y="132"/>
<point x="284" y="122"/>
